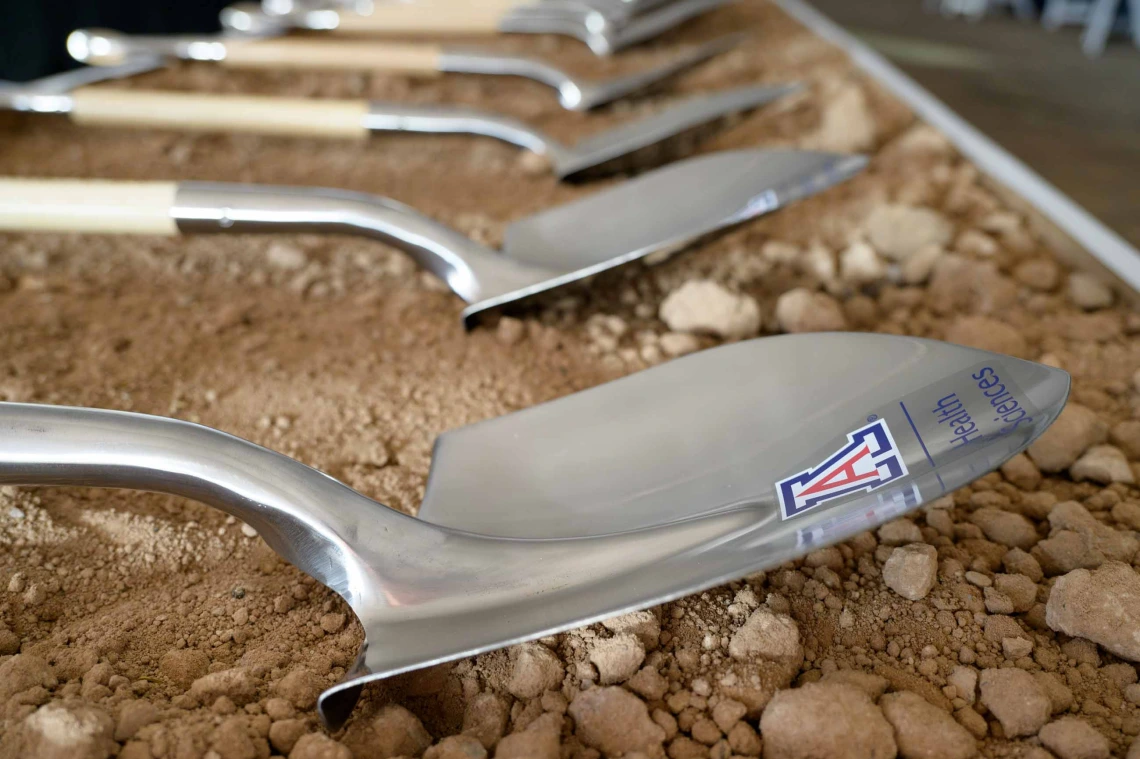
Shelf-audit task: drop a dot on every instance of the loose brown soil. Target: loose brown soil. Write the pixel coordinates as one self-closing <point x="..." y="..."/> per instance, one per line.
<point x="149" y="626"/>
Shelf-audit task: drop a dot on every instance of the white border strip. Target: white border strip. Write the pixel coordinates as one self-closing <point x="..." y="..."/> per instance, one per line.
<point x="1109" y="248"/>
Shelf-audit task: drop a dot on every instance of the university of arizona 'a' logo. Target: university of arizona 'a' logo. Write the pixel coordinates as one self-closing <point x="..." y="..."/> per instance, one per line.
<point x="868" y="461"/>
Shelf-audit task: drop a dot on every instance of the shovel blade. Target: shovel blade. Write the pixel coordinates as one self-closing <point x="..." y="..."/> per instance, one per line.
<point x="721" y="430"/>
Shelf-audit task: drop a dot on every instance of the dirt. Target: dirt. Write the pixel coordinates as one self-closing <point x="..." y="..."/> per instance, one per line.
<point x="149" y="626"/>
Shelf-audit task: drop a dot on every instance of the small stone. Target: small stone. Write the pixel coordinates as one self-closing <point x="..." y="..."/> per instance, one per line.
<point x="1015" y="648"/>
<point x="540" y="740"/>
<point x="675" y="344"/>
<point x="847" y="124"/>
<point x="859" y="264"/>
<point x="1097" y="537"/>
<point x="457" y="747"/>
<point x="1126" y="514"/>
<point x="917" y="269"/>
<point x="510" y="331"/>
<point x="803" y="310"/>
<point x="617" y="658"/>
<point x="648" y="683"/>
<point x="769" y="636"/>
<point x="873" y="685"/>
<point x="727" y="713"/>
<point x="1102" y="605"/>
<point x="236" y="684"/>
<point x="1005" y="527"/>
<point x="535" y="669"/>
<point x="17" y="582"/>
<point x="9" y="642"/>
<point x="1126" y="436"/>
<point x="1073" y="738"/>
<point x="1038" y="273"/>
<point x="1015" y="699"/>
<point x="703" y="306"/>
<point x="899" y="532"/>
<point x="912" y="570"/>
<point x="987" y="334"/>
<point x="898" y="232"/>
<point x="1017" y="561"/>
<point x="133" y="716"/>
<point x="965" y="681"/>
<point x="183" y="666"/>
<point x="486" y="719"/>
<point x="333" y="622"/>
<point x="974" y="723"/>
<point x="300" y="687"/>
<point x="744" y="741"/>
<point x="317" y="746"/>
<point x="1076" y="430"/>
<point x="56" y="731"/>
<point x="615" y="722"/>
<point x="1105" y="464"/>
<point x="248" y="531"/>
<point x="825" y="720"/>
<point x="1022" y="472"/>
<point x="394" y="731"/>
<point x="21" y="672"/>
<point x="1060" y="697"/>
<point x="231" y="740"/>
<point x="923" y="731"/>
<point x="1021" y="591"/>
<point x="643" y="624"/>
<point x="285" y="257"/>
<point x="1088" y="292"/>
<point x="279" y="708"/>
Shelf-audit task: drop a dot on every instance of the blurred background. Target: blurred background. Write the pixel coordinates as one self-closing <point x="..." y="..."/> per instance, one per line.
<point x="1056" y="82"/>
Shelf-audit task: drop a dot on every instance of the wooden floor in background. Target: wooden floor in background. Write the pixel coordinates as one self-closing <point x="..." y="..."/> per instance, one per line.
<point x="1075" y="121"/>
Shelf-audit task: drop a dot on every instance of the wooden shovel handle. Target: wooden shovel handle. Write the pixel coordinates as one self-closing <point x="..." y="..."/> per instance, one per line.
<point x="332" y="55"/>
<point x="220" y="113"/>
<point x="426" y="17"/>
<point x="74" y="205"/>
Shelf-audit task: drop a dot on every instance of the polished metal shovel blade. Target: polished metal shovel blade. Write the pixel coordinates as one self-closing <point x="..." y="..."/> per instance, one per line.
<point x="661" y="484"/>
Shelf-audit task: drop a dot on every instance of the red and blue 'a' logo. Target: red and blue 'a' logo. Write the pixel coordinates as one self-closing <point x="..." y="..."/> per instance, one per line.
<point x="868" y="461"/>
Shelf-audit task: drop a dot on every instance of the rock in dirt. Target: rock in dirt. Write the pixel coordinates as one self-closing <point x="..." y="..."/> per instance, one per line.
<point x="617" y="658"/>
<point x="534" y="669"/>
<point x="911" y="570"/>
<point x="486" y="719"/>
<point x="1073" y="738"/>
<point x="133" y="716"/>
<point x="898" y="231"/>
<point x="300" y="687"/>
<point x="317" y="746"/>
<point x="284" y="734"/>
<point x="1102" y="605"/>
<point x="846" y="123"/>
<point x="56" y="731"/>
<point x="923" y="731"/>
<point x="394" y="731"/>
<point x="1105" y="464"/>
<point x="1087" y="292"/>
<point x="183" y="666"/>
<point x="804" y="310"/>
<point x="457" y="747"/>
<point x="643" y="624"/>
<point x="1022" y="472"/>
<point x="825" y="720"/>
<point x="965" y="681"/>
<point x="1016" y="699"/>
<point x="21" y="672"/>
<point x="987" y="334"/>
<point x="770" y="636"/>
<point x="703" y="306"/>
<point x="1117" y="545"/>
<point x="859" y="264"/>
<point x="235" y="684"/>
<point x="1077" y="429"/>
<point x="540" y="740"/>
<point x="615" y="722"/>
<point x="1005" y="527"/>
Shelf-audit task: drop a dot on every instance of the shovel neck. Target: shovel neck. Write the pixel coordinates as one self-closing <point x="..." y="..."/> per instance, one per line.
<point x="305" y="516"/>
<point x="473" y="272"/>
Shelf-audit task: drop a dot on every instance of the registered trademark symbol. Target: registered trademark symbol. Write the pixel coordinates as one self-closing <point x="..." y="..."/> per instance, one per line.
<point x="872" y="417"/>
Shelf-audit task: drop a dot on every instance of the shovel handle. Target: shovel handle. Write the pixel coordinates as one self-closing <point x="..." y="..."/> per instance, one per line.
<point x="426" y="18"/>
<point x="74" y="205"/>
<point x="329" y="55"/>
<point x="254" y="114"/>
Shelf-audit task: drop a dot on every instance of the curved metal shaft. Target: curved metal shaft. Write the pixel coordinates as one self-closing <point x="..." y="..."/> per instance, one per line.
<point x="473" y="272"/>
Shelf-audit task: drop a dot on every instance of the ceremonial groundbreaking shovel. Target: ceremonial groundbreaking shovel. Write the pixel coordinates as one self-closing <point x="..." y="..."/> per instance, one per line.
<point x="346" y="119"/>
<point x="678" y="478"/>
<point x="103" y="47"/>
<point x="659" y="210"/>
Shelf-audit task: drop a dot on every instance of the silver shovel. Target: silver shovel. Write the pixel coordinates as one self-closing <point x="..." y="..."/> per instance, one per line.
<point x="605" y="28"/>
<point x="633" y="493"/>
<point x="69" y="94"/>
<point x="660" y="210"/>
<point x="103" y="47"/>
